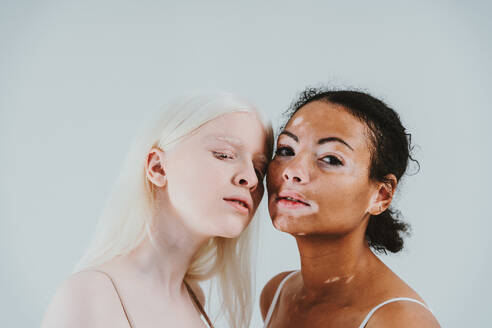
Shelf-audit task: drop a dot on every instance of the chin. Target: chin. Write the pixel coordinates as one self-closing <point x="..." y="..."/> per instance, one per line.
<point x="288" y="224"/>
<point x="282" y="223"/>
<point x="233" y="227"/>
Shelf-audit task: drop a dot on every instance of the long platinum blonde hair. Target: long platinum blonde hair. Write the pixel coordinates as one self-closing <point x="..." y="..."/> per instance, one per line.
<point x="126" y="219"/>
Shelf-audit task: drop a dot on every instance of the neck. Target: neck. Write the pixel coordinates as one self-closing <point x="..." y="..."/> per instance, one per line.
<point x="165" y="255"/>
<point x="332" y="267"/>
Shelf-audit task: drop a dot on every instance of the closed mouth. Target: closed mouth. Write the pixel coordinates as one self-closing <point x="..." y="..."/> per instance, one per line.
<point x="238" y="201"/>
<point x="292" y="199"/>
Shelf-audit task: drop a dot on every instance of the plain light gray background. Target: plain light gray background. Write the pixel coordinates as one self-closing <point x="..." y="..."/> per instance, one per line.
<point x="77" y="76"/>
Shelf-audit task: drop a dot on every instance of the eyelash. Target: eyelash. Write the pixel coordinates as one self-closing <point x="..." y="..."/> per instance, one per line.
<point x="336" y="163"/>
<point x="281" y="151"/>
<point x="224" y="156"/>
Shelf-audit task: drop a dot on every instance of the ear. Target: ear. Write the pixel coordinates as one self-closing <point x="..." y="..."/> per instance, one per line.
<point x="384" y="195"/>
<point x="155" y="167"/>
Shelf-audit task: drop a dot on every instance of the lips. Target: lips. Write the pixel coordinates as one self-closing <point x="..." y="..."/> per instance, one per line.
<point x="240" y="203"/>
<point x="292" y="198"/>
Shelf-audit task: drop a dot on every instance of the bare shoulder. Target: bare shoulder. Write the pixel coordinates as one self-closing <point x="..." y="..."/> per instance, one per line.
<point x="197" y="289"/>
<point x="80" y="300"/>
<point x="403" y="314"/>
<point x="269" y="291"/>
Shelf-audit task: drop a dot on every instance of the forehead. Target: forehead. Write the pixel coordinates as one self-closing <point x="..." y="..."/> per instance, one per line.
<point x="320" y="119"/>
<point x="236" y="123"/>
<point x="242" y="129"/>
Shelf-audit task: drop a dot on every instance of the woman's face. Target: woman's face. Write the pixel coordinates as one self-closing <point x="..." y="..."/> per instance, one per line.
<point x="318" y="181"/>
<point x="215" y="175"/>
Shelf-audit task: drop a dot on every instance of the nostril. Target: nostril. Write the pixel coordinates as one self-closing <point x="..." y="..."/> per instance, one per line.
<point x="297" y="179"/>
<point x="243" y="182"/>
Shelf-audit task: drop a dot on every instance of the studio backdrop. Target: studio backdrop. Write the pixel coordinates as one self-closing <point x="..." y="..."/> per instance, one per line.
<point x="77" y="79"/>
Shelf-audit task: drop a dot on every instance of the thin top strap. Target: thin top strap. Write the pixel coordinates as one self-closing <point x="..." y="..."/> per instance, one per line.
<point x="374" y="309"/>
<point x="128" y="318"/>
<point x="198" y="304"/>
<point x="119" y="296"/>
<point x="275" y="298"/>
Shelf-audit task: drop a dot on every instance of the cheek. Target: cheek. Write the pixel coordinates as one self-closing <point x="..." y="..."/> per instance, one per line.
<point x="208" y="182"/>
<point x="343" y="201"/>
<point x="195" y="187"/>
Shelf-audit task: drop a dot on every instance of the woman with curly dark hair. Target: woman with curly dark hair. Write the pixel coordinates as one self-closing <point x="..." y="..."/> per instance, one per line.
<point x="336" y="168"/>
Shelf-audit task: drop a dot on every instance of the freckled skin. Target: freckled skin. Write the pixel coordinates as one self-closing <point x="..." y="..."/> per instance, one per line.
<point x="340" y="280"/>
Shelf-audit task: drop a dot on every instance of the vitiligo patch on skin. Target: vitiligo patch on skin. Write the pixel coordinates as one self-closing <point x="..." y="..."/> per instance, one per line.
<point x="297" y="212"/>
<point x="335" y="279"/>
<point x="297" y="121"/>
<point x="315" y="207"/>
<point x="330" y="280"/>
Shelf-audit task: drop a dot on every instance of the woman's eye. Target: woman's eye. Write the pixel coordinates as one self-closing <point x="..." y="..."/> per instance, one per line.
<point x="284" y="151"/>
<point x="331" y="160"/>
<point x="222" y="156"/>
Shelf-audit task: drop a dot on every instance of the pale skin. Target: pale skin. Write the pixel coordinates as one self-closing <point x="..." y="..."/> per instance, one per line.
<point x="194" y="183"/>
<point x="323" y="157"/>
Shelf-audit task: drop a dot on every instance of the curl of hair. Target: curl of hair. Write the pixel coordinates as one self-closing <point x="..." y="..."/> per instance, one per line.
<point x="126" y="220"/>
<point x="384" y="231"/>
<point x="390" y="147"/>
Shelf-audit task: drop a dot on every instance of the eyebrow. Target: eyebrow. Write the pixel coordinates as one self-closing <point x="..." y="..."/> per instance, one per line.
<point x="290" y="134"/>
<point x="232" y="141"/>
<point x="236" y="142"/>
<point x="334" y="139"/>
<point x="320" y="141"/>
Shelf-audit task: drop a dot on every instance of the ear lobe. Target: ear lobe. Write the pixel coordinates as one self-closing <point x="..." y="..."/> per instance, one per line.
<point x="385" y="193"/>
<point x="155" y="167"/>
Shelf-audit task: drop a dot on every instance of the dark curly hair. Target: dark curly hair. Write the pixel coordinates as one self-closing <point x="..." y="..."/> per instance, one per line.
<point x="390" y="154"/>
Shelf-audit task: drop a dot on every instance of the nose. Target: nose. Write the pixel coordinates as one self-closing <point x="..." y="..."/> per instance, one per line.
<point x="246" y="177"/>
<point x="296" y="171"/>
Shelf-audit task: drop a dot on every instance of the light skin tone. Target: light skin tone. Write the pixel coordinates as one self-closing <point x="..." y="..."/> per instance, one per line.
<point x="207" y="185"/>
<point x="319" y="191"/>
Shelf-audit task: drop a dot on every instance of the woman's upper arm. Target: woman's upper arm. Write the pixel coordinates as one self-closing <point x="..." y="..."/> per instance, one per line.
<point x="268" y="292"/>
<point x="69" y="306"/>
<point x="78" y="302"/>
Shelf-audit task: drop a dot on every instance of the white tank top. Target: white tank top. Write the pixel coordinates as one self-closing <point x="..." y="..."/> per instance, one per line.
<point x="364" y="322"/>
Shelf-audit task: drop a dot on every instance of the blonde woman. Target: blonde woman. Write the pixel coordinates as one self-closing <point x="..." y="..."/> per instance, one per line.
<point x="189" y="188"/>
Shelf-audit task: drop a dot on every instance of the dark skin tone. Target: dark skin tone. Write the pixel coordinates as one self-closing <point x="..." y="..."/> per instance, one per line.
<point x="320" y="192"/>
